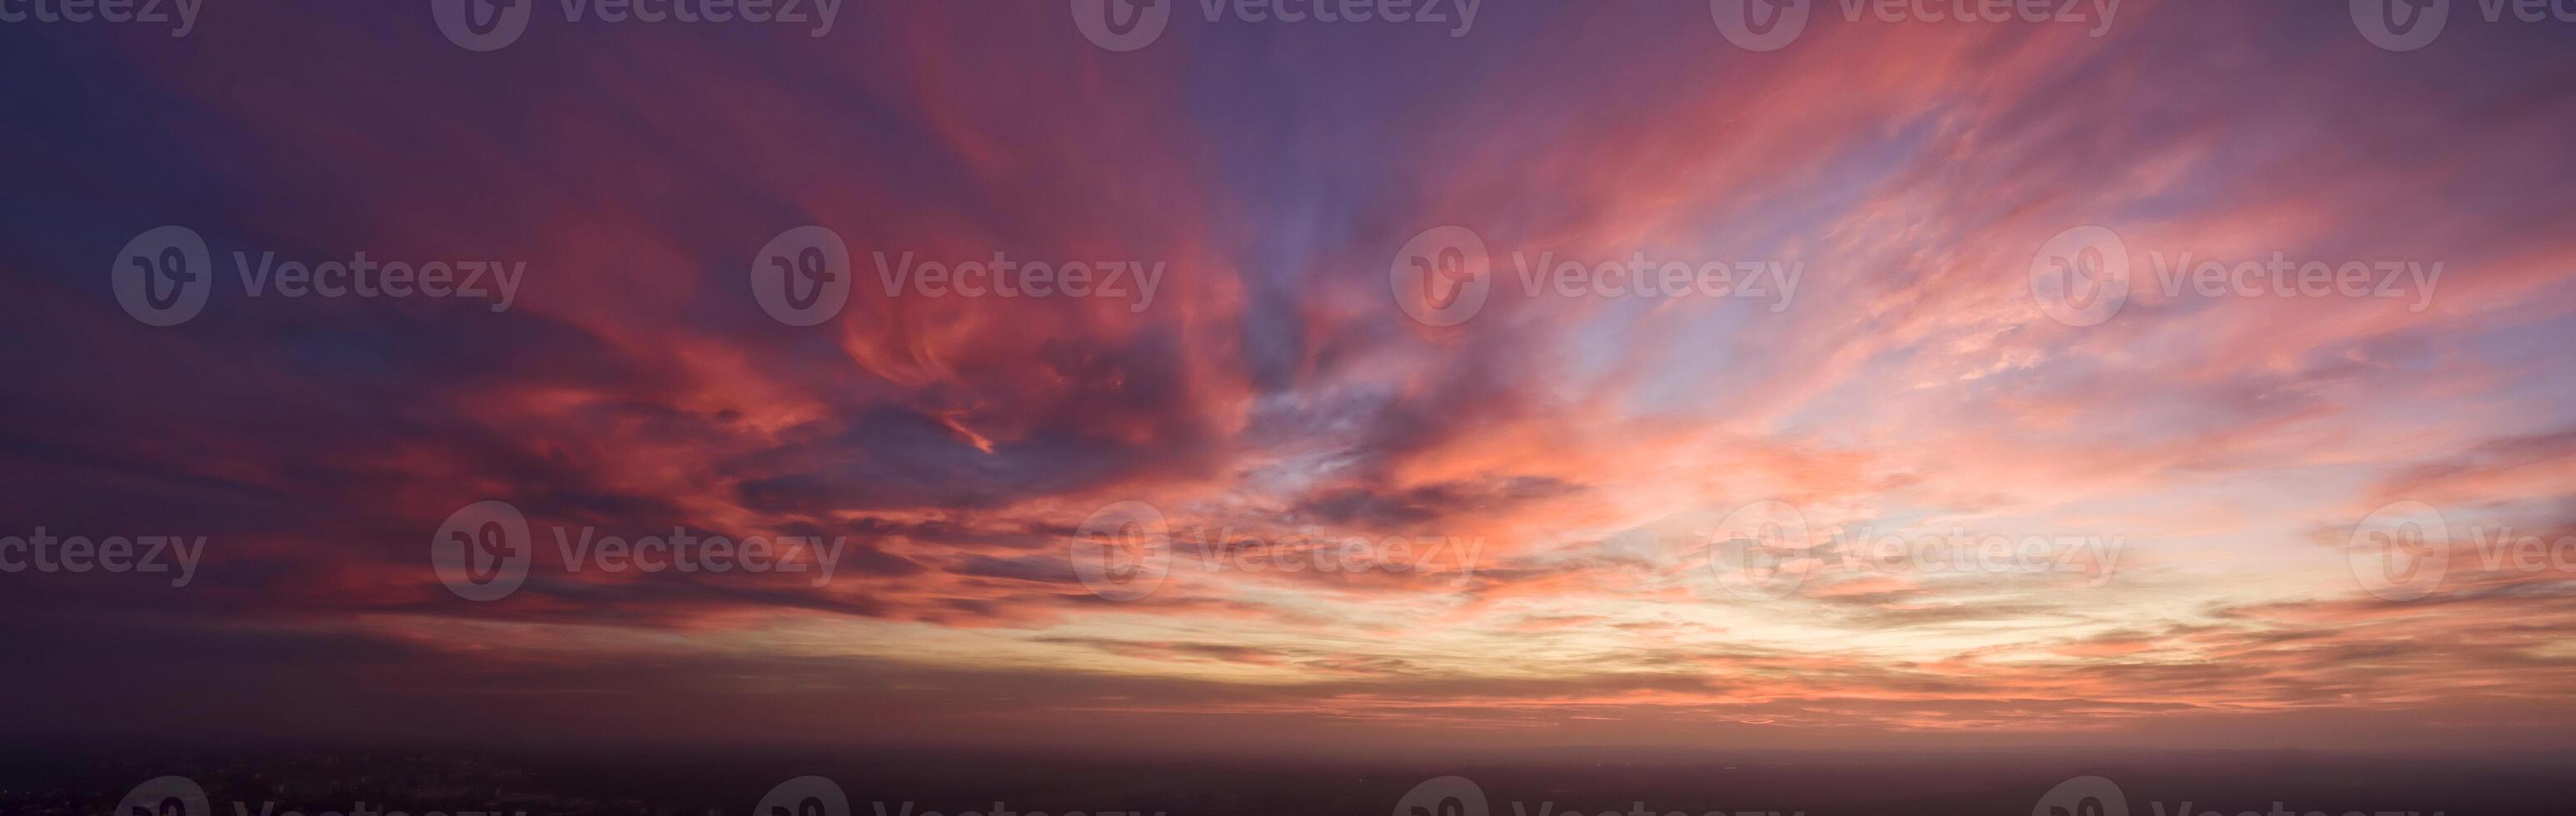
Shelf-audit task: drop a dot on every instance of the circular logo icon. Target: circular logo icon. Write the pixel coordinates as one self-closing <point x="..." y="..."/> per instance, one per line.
<point x="482" y="552"/>
<point x="802" y="277"/>
<point x="805" y="796"/>
<point x="1443" y="796"/>
<point x="482" y="25"/>
<point x="2400" y="25"/>
<point x="1123" y="551"/>
<point x="2400" y="551"/>
<point x="2081" y="277"/>
<point x="1122" y="25"/>
<point x="165" y="796"/>
<point x="163" y="276"/>
<point x="1751" y="546"/>
<point x="1760" y="25"/>
<point x="2083" y="796"/>
<point x="1442" y="276"/>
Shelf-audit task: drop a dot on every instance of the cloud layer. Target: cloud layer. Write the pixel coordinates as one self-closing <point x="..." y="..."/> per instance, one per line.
<point x="1561" y="468"/>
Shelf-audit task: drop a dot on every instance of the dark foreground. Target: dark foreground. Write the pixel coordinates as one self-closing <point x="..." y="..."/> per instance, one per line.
<point x="365" y="783"/>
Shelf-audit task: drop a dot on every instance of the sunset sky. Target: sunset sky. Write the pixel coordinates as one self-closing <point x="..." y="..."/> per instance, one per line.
<point x="1575" y="459"/>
